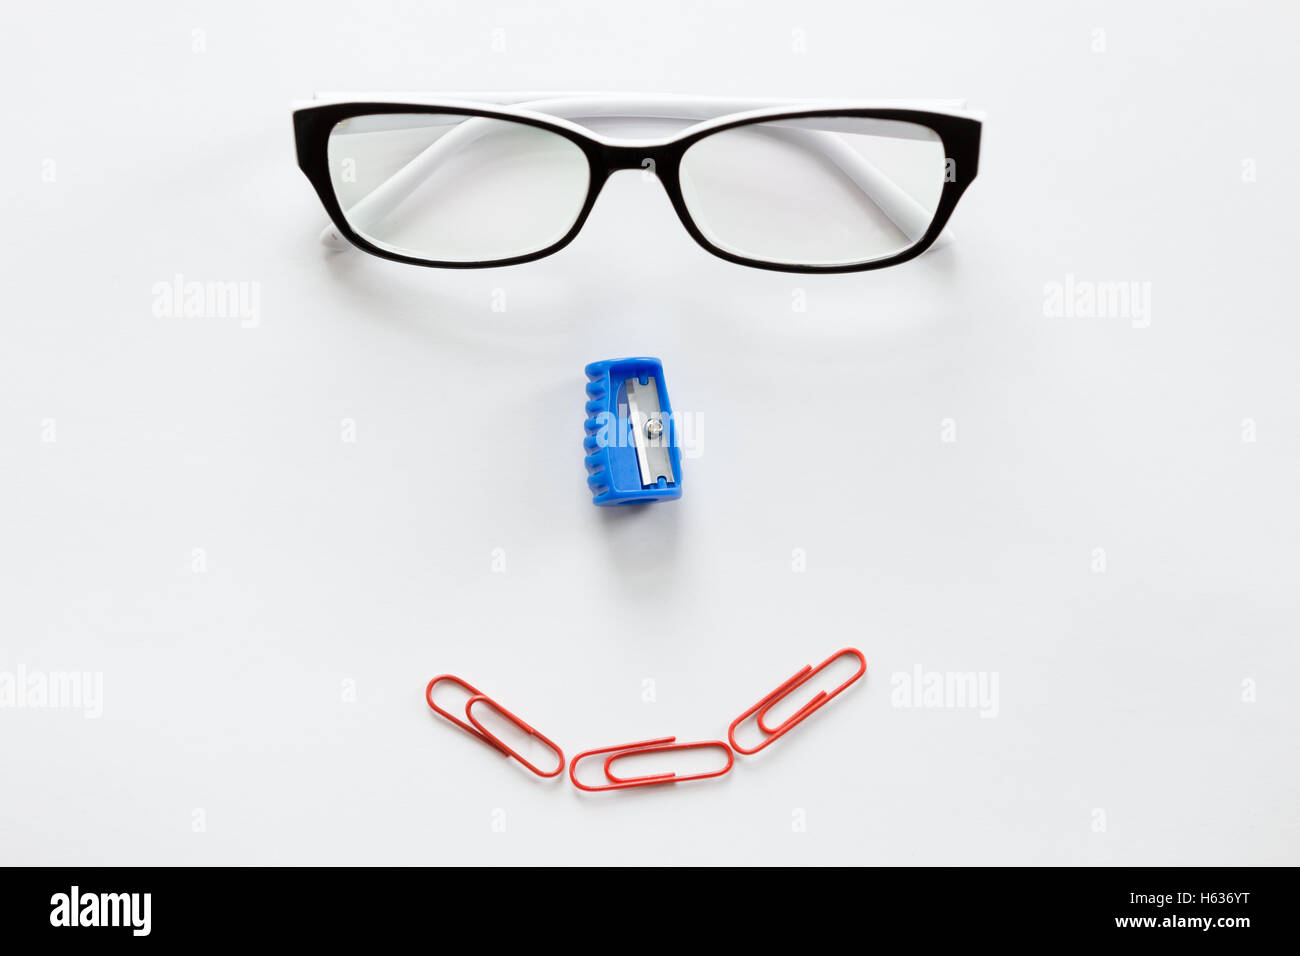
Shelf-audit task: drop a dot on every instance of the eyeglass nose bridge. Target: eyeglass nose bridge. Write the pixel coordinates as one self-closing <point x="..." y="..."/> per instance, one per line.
<point x="646" y="158"/>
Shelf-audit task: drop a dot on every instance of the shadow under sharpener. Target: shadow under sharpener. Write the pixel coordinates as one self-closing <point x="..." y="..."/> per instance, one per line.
<point x="632" y="453"/>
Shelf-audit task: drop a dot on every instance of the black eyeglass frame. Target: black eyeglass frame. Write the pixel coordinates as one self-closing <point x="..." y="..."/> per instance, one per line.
<point x="960" y="136"/>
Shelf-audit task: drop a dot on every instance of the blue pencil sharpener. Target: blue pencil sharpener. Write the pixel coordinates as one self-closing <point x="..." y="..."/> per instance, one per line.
<point x="631" y="443"/>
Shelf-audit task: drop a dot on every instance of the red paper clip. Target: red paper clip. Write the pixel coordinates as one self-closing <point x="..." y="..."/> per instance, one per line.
<point x="661" y="745"/>
<point x="476" y="728"/>
<point x="778" y="695"/>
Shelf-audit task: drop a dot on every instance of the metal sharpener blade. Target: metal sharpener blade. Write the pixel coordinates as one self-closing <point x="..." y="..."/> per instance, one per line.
<point x="649" y="431"/>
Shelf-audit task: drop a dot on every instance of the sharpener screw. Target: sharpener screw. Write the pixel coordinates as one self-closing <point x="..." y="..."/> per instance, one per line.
<point x="654" y="428"/>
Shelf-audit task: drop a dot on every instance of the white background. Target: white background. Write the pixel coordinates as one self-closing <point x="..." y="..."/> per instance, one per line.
<point x="1120" y="156"/>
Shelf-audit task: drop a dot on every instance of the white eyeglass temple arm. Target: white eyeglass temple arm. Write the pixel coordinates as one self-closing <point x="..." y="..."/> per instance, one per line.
<point x="709" y="107"/>
<point x="899" y="206"/>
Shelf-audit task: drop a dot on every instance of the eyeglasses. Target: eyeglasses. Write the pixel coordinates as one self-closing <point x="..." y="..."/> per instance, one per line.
<point x="472" y="181"/>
